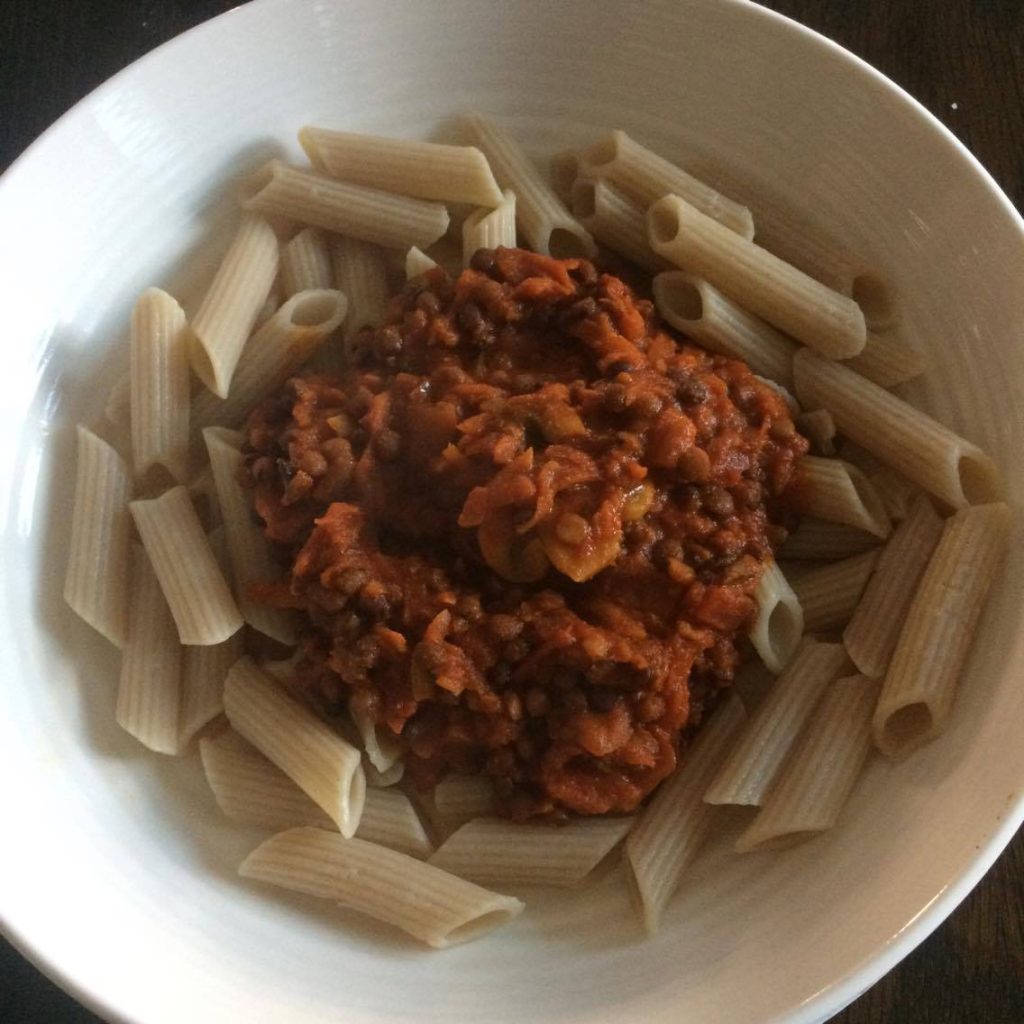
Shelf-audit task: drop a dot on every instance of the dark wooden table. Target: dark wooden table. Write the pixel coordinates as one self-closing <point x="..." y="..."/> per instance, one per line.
<point x="964" y="59"/>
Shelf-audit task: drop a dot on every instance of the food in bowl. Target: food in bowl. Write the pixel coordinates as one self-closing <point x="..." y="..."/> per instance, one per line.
<point x="526" y="528"/>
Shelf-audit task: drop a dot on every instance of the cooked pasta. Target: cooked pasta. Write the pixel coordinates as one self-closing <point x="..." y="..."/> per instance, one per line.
<point x="703" y="313"/>
<point x="676" y="822"/>
<point x="149" y="690"/>
<point x="203" y="672"/>
<point x="645" y="176"/>
<point x="430" y="904"/>
<point x="417" y="262"/>
<point x="910" y="441"/>
<point x="565" y="169"/>
<point x="920" y="684"/>
<point x="779" y="624"/>
<point x="818" y="540"/>
<point x="98" y="573"/>
<point x="488" y="228"/>
<point x="459" y="799"/>
<point x="755" y="279"/>
<point x="748" y="773"/>
<point x="829" y="593"/>
<point x="541" y="216"/>
<point x="193" y="584"/>
<point x="615" y="221"/>
<point x="361" y="273"/>
<point x="816" y="780"/>
<point x="839" y="492"/>
<point x="159" y="394"/>
<point x="427" y="170"/>
<point x="887" y="360"/>
<point x="871" y="634"/>
<point x="317" y="759"/>
<point x="306" y="263"/>
<point x="228" y="312"/>
<point x="366" y="213"/>
<point x="820" y="429"/>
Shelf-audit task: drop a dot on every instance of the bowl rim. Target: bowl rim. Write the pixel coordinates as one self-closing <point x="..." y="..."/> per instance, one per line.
<point x="843" y="990"/>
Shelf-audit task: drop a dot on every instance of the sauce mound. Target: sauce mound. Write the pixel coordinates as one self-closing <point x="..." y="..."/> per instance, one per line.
<point x="525" y="528"/>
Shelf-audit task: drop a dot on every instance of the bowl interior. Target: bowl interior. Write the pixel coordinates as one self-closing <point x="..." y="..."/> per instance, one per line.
<point x="117" y="869"/>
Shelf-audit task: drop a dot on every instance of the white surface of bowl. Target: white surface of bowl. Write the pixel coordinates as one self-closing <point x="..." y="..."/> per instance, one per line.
<point x="116" y="871"/>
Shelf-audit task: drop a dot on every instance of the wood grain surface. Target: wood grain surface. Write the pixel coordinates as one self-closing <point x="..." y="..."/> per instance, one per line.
<point x="963" y="59"/>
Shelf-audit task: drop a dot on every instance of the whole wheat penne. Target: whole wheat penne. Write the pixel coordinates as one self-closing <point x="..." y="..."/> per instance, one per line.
<point x="703" y="313"/>
<point x="250" y="557"/>
<point x="149" y="690"/>
<point x="565" y="169"/>
<point x="493" y="851"/>
<point x="676" y="822"/>
<point x="381" y="746"/>
<point x="779" y="624"/>
<point x="306" y="263"/>
<point x="817" y="540"/>
<point x="839" y="492"/>
<point x="367" y="213"/>
<point x="645" y="176"/>
<point x="489" y="228"/>
<point x="252" y="790"/>
<point x="752" y="682"/>
<point x="921" y="680"/>
<point x="908" y="440"/>
<point x="547" y="225"/>
<point x="360" y="271"/>
<point x="870" y="636"/>
<point x="887" y="360"/>
<point x="430" y="904"/>
<point x="829" y="593"/>
<point x="461" y="798"/>
<point x="98" y="573"/>
<point x="417" y="262"/>
<point x="427" y="170"/>
<point x="228" y="312"/>
<point x="298" y="329"/>
<point x="203" y="672"/>
<point x="817" y="778"/>
<point x="315" y="757"/>
<point x="747" y="775"/>
<point x="820" y="429"/>
<point x="897" y="492"/>
<point x="614" y="220"/>
<point x="193" y="584"/>
<point x="159" y="398"/>
<point x="755" y="279"/>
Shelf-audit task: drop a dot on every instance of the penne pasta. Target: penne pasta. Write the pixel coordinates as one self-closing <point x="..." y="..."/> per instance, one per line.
<point x="490" y="228"/>
<point x="192" y="582"/>
<point x="427" y="170"/>
<point x="703" y="313"/>
<point x="381" y="745"/>
<point x="839" y="492"/>
<point x="820" y="429"/>
<point x="429" y="904"/>
<point x="360" y="271"/>
<point x="492" y="851"/>
<point x="920" y="683"/>
<point x="911" y="442"/>
<point x="98" y="573"/>
<point x="871" y="635"/>
<point x="159" y="390"/>
<point x="317" y="759"/>
<point x="461" y="798"/>
<point x="417" y="262"/>
<point x="297" y="330"/>
<point x="565" y="169"/>
<point x="248" y="549"/>
<point x="818" y="540"/>
<point x="829" y="594"/>
<point x="779" y="624"/>
<point x="365" y="213"/>
<point x="305" y="263"/>
<point x="203" y="672"/>
<point x="149" y="690"/>
<point x="755" y="279"/>
<point x="676" y="822"/>
<point x="253" y="791"/>
<point x="887" y="360"/>
<point x="747" y="775"/>
<point x="229" y="309"/>
<point x="752" y="682"/>
<point x="614" y="220"/>
<point x="645" y="176"/>
<point x="817" y="779"/>
<point x="542" y="217"/>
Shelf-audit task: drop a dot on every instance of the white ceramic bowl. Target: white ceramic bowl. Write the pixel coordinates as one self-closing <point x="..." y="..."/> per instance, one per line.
<point x="116" y="872"/>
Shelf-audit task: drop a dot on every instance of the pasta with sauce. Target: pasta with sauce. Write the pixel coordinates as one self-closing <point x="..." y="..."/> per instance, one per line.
<point x="528" y="531"/>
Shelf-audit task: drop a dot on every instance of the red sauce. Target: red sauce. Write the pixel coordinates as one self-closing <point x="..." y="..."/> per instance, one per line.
<point x="525" y="528"/>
